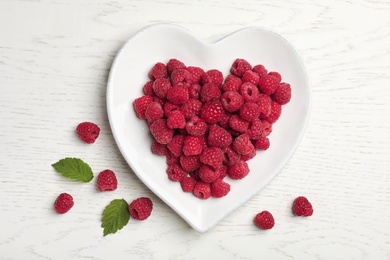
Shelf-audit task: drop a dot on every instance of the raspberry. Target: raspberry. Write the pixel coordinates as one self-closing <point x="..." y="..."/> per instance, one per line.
<point x="159" y="70"/>
<point x="209" y="91"/>
<point x="268" y="84"/>
<point x="148" y="88"/>
<point x="255" y="130"/>
<point x="161" y="87"/>
<point x="239" y="67"/>
<point x="140" y="104"/>
<point x="249" y="111"/>
<point x="264" y="102"/>
<point x="180" y="76"/>
<point x="154" y="112"/>
<point x="224" y="122"/>
<point x="191" y="108"/>
<point x="232" y="83"/>
<point x="264" y="220"/>
<point x="267" y="128"/>
<point x="222" y="171"/>
<point x="276" y="111"/>
<point x="178" y="94"/>
<point x="262" y="143"/>
<point x="193" y="90"/>
<point x="193" y="145"/>
<point x="243" y="145"/>
<point x="207" y="174"/>
<point x="212" y="156"/>
<point x="63" y="203"/>
<point x="141" y="208"/>
<point x="187" y="184"/>
<point x="212" y="111"/>
<point x="202" y="190"/>
<point x="212" y="76"/>
<point x="88" y="132"/>
<point x="219" y="188"/>
<point x="176" y="145"/>
<point x="238" y="124"/>
<point x="161" y="132"/>
<point x="276" y="75"/>
<point x="247" y="157"/>
<point x="282" y="94"/>
<point x="174" y="64"/>
<point x="260" y="70"/>
<point x="250" y="76"/>
<point x="168" y="107"/>
<point x="302" y="207"/>
<point x="159" y="149"/>
<point x="196" y="126"/>
<point x="232" y="101"/>
<point x="238" y="170"/>
<point x="230" y="156"/>
<point x="196" y="73"/>
<point x="106" y="181"/>
<point x="249" y="92"/>
<point x="171" y="159"/>
<point x="176" y="120"/>
<point x="219" y="137"/>
<point x="189" y="163"/>
<point x="176" y="173"/>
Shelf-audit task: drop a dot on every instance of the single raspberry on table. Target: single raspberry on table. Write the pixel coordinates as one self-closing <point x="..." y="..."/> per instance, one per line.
<point x="187" y="184"/>
<point x="239" y="170"/>
<point x="161" y="132"/>
<point x="202" y="190"/>
<point x="212" y="156"/>
<point x="63" y="203"/>
<point x="219" y="188"/>
<point x="302" y="207"/>
<point x="212" y="76"/>
<point x="174" y="64"/>
<point x="106" y="181"/>
<point x="141" y="208"/>
<point x="239" y="66"/>
<point x="88" y="132"/>
<point x="232" y="101"/>
<point x="219" y="137"/>
<point x="282" y="94"/>
<point x="264" y="220"/>
<point x="250" y="76"/>
<point x="159" y="70"/>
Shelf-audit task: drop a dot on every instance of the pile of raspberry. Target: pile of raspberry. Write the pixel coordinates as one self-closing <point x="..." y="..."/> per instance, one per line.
<point x="209" y="126"/>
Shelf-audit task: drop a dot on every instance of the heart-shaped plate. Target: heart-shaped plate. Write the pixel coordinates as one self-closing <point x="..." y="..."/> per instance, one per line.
<point x="159" y="43"/>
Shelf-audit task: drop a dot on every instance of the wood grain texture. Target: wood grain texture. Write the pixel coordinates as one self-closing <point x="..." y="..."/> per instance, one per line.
<point x="55" y="56"/>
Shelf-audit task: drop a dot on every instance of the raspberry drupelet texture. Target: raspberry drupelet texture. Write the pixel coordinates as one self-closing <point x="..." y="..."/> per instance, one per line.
<point x="264" y="220"/>
<point x="141" y="208"/>
<point x="302" y="207"/>
<point x="106" y="181"/>
<point x="63" y="203"/>
<point x="88" y="132"/>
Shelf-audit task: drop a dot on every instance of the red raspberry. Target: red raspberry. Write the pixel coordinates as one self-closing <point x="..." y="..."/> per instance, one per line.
<point x="178" y="95"/>
<point x="141" y="208"/>
<point x="209" y="91"/>
<point x="208" y="174"/>
<point x="159" y="149"/>
<point x="262" y="143"/>
<point x="189" y="163"/>
<point x="148" y="88"/>
<point x="239" y="66"/>
<point x="159" y="70"/>
<point x="176" y="173"/>
<point x="276" y="75"/>
<point x="268" y="84"/>
<point x="232" y="83"/>
<point x="255" y="130"/>
<point x="302" y="207"/>
<point x="168" y="107"/>
<point x="191" y="108"/>
<point x="193" y="145"/>
<point x="224" y="122"/>
<point x="267" y="128"/>
<point x="222" y="171"/>
<point x="106" y="181"/>
<point x="196" y="126"/>
<point x="260" y="70"/>
<point x="212" y="156"/>
<point x="187" y="184"/>
<point x="282" y="94"/>
<point x="238" y="124"/>
<point x="264" y="220"/>
<point x="250" y="76"/>
<point x="171" y="159"/>
<point x="176" y="120"/>
<point x="249" y="111"/>
<point x="154" y="112"/>
<point x="159" y="100"/>
<point x="212" y="76"/>
<point x="196" y="73"/>
<point x="161" y="132"/>
<point x="264" y="102"/>
<point x="249" y="92"/>
<point x="174" y="64"/>
<point x="88" y="132"/>
<point x="238" y="170"/>
<point x="63" y="203"/>
<point x="232" y="101"/>
<point x="219" y="137"/>
<point x="176" y="145"/>
<point x="249" y="156"/>
<point x="230" y="156"/>
<point x="212" y="111"/>
<point x="161" y="87"/>
<point x="181" y="76"/>
<point x="194" y="90"/>
<point x="219" y="188"/>
<point x="202" y="190"/>
<point x="243" y="145"/>
<point x="276" y="111"/>
<point x="140" y="104"/>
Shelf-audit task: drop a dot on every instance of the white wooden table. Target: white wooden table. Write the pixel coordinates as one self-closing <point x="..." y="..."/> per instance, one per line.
<point x="55" y="56"/>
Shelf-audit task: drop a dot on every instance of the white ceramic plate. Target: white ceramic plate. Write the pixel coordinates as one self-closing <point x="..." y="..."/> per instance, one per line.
<point x="159" y="43"/>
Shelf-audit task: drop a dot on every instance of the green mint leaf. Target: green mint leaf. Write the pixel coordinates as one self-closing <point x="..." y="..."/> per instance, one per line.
<point x="116" y="215"/>
<point x="74" y="168"/>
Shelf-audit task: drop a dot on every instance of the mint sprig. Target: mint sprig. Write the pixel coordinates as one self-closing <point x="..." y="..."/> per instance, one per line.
<point x="74" y="168"/>
<point x="115" y="216"/>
